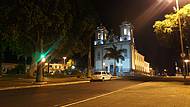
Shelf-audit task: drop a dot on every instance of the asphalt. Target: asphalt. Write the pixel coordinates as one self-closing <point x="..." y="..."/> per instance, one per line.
<point x="56" y="96"/>
<point x="147" y="94"/>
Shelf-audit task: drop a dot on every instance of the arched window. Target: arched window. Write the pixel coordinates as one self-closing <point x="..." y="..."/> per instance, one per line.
<point x="99" y="35"/>
<point x="125" y="31"/>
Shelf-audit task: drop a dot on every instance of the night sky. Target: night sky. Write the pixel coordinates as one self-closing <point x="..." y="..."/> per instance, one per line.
<point x="142" y="14"/>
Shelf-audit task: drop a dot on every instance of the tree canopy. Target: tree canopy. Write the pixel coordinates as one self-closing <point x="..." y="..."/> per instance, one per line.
<point x="114" y="53"/>
<point x="24" y="22"/>
<point x="59" y="27"/>
<point x="169" y="26"/>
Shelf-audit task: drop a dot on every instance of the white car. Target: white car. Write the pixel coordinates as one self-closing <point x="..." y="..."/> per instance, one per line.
<point x="101" y="75"/>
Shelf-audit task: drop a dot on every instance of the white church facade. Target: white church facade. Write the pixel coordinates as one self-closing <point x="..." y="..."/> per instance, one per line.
<point x="133" y="62"/>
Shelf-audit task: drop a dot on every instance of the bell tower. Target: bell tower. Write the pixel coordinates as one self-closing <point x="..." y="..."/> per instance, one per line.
<point x="101" y="35"/>
<point x="126" y="32"/>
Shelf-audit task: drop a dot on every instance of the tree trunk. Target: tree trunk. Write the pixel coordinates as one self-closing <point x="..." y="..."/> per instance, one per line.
<point x="34" y="63"/>
<point x="89" y="72"/>
<point x="33" y="68"/>
<point x="48" y="68"/>
<point x="115" y="74"/>
<point x="1" y="61"/>
<point x="184" y="71"/>
<point x="25" y="64"/>
<point x="39" y="74"/>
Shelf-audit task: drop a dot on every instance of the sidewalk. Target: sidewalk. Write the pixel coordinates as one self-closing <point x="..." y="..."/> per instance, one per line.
<point x="18" y="83"/>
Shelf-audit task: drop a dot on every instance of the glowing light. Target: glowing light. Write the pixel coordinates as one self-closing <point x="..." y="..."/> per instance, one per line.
<point x="104" y="63"/>
<point x="49" y="51"/>
<point x="73" y="67"/>
<point x="168" y="1"/>
<point x="156" y="8"/>
<point x="64" y="58"/>
<point x="125" y="31"/>
<point x="43" y="60"/>
<point x="42" y="56"/>
<point x="186" y="60"/>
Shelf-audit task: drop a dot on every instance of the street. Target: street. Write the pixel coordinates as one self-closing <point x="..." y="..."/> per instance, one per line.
<point x="147" y="94"/>
<point x="59" y="95"/>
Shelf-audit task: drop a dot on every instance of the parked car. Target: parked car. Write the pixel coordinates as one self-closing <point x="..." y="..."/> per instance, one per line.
<point x="101" y="75"/>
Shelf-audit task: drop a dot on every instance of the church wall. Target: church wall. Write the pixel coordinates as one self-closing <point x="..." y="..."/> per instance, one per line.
<point x="133" y="60"/>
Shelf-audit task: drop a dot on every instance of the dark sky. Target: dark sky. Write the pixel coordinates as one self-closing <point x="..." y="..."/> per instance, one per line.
<point x="142" y="14"/>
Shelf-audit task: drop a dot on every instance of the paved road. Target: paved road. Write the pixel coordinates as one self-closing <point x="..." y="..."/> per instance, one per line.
<point x="147" y="94"/>
<point x="59" y="95"/>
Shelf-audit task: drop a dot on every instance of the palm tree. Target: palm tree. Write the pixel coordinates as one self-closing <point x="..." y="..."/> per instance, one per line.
<point x="113" y="53"/>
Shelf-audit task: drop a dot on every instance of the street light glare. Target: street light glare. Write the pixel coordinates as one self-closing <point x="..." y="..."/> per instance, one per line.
<point x="186" y="60"/>
<point x="156" y="8"/>
<point x="168" y="1"/>
<point x="64" y="58"/>
<point x="43" y="59"/>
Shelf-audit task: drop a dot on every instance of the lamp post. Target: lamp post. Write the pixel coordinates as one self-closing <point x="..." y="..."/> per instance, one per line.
<point x="180" y="30"/>
<point x="188" y="54"/>
<point x="188" y="57"/>
<point x="187" y="65"/>
<point x="64" y="58"/>
<point x="182" y="54"/>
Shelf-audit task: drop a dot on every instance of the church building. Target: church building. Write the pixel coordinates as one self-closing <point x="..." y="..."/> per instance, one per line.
<point x="133" y="62"/>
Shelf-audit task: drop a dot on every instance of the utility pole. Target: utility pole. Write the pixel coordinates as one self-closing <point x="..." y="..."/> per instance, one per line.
<point x="181" y="40"/>
<point x="188" y="57"/>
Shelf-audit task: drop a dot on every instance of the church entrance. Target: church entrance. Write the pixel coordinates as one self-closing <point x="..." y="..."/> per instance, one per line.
<point x="112" y="70"/>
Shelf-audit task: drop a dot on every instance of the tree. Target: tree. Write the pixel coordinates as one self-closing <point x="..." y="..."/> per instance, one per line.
<point x="168" y="27"/>
<point x="167" y="31"/>
<point x="84" y="25"/>
<point x="115" y="54"/>
<point x="35" y="27"/>
<point x="53" y="27"/>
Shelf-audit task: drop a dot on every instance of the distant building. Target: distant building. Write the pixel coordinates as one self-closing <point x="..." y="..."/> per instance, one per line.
<point x="55" y="67"/>
<point x="134" y="62"/>
<point x="8" y="66"/>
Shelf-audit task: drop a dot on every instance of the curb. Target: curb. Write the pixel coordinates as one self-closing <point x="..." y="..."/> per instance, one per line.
<point x="43" y="85"/>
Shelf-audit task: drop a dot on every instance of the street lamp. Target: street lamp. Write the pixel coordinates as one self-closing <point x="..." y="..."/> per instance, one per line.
<point x="64" y="59"/>
<point x="43" y="60"/>
<point x="181" y="36"/>
<point x="186" y="60"/>
<point x="180" y="30"/>
<point x="187" y="66"/>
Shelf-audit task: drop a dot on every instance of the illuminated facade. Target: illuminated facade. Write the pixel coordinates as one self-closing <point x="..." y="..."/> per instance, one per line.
<point x="133" y="60"/>
<point x="55" y="67"/>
